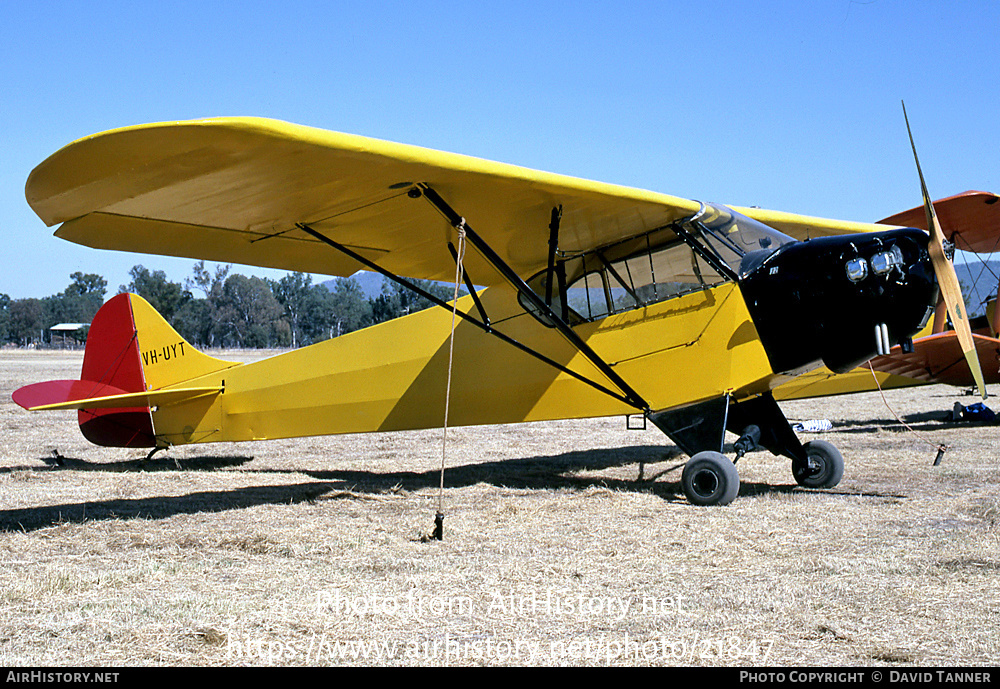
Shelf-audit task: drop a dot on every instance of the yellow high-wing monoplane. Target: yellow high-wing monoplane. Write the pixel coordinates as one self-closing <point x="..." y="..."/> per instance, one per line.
<point x="599" y="299"/>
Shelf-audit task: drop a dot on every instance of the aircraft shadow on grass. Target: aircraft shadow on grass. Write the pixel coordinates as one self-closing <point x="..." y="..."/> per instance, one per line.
<point x="205" y="463"/>
<point x="564" y="471"/>
<point x="922" y="421"/>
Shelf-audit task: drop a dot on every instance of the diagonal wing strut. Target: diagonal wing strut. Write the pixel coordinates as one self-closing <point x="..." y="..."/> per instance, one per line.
<point x="630" y="396"/>
<point x="484" y="324"/>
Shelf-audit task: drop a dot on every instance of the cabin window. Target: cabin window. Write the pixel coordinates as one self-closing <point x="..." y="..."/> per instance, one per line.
<point x="713" y="246"/>
<point x="640" y="271"/>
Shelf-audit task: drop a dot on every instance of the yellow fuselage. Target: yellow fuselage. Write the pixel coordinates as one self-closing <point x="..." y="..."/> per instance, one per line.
<point x="392" y="376"/>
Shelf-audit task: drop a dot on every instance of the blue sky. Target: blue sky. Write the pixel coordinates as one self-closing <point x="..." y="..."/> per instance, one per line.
<point x="788" y="105"/>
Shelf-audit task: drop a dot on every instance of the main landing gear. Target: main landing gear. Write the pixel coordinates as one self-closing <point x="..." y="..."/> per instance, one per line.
<point x="710" y="477"/>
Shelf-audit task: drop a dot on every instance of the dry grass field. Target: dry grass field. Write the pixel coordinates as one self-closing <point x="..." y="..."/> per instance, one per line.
<point x="566" y="543"/>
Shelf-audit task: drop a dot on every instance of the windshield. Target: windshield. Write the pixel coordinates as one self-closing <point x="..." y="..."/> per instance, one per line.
<point x="740" y="242"/>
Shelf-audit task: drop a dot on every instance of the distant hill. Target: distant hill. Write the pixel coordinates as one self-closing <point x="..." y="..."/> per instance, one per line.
<point x="978" y="280"/>
<point x="370" y="283"/>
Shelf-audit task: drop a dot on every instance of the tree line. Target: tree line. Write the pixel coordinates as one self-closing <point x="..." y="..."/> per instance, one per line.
<point x="220" y="308"/>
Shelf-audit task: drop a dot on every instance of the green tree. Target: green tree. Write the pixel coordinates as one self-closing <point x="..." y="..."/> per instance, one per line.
<point x="209" y="283"/>
<point x="295" y="294"/>
<point x="316" y="313"/>
<point x="79" y="302"/>
<point x="396" y="300"/>
<point x="195" y="321"/>
<point x="162" y="294"/>
<point x="349" y="309"/>
<point x="248" y="314"/>
<point x="26" y="320"/>
<point x="87" y="284"/>
<point x="4" y="318"/>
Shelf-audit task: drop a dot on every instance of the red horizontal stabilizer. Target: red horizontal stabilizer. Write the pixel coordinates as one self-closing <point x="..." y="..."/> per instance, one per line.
<point x="129" y="427"/>
<point x="61" y="391"/>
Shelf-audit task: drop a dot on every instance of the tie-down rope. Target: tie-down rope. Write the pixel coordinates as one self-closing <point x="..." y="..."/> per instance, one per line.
<point x="940" y="447"/>
<point x="459" y="275"/>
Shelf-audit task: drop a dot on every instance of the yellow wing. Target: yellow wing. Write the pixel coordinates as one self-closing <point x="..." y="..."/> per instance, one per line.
<point x="233" y="190"/>
<point x="807" y="227"/>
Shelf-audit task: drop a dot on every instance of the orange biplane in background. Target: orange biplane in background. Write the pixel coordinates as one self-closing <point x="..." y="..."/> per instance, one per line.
<point x="599" y="299"/>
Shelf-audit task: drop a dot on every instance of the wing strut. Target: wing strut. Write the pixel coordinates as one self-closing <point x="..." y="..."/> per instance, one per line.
<point x="485" y="326"/>
<point x="553" y="246"/>
<point x="469" y="286"/>
<point x="630" y="396"/>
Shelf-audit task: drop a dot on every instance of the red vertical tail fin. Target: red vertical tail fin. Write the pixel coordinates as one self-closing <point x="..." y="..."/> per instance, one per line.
<point x="112" y="359"/>
<point x="111" y="366"/>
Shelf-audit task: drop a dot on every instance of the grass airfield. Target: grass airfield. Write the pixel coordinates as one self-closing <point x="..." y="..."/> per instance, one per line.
<point x="566" y="543"/>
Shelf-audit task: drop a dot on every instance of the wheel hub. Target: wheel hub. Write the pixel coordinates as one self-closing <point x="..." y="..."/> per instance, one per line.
<point x="705" y="483"/>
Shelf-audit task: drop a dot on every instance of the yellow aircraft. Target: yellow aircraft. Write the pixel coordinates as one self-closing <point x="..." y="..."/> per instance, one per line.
<point x="599" y="299"/>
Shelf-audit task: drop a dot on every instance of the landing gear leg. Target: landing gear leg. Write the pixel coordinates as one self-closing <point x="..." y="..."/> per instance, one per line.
<point x="709" y="478"/>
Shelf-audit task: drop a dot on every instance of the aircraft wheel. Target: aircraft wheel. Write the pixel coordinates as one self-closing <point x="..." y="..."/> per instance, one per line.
<point x="824" y="468"/>
<point x="710" y="478"/>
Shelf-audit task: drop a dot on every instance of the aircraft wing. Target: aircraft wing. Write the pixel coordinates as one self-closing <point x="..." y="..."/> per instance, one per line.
<point x="807" y="227"/>
<point x="235" y="189"/>
<point x="970" y="220"/>
<point x="939" y="359"/>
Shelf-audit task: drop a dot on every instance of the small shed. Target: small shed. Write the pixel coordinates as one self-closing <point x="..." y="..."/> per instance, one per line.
<point x="66" y="329"/>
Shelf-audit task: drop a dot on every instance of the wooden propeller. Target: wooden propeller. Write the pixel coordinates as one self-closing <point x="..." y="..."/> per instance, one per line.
<point x="951" y="292"/>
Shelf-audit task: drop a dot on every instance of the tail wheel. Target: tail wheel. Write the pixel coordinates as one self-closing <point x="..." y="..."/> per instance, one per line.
<point x="710" y="478"/>
<point x="823" y="468"/>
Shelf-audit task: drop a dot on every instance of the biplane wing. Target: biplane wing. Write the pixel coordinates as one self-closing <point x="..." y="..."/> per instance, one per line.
<point x="939" y="359"/>
<point x="932" y="359"/>
<point x="970" y="220"/>
<point x="600" y="299"/>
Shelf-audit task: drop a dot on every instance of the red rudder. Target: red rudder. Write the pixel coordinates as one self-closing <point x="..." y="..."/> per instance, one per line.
<point x="112" y="358"/>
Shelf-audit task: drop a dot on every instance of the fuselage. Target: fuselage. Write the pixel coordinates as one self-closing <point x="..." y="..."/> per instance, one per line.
<point x="787" y="311"/>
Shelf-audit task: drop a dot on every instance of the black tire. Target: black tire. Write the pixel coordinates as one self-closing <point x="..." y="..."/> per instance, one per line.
<point x="710" y="478"/>
<point x="824" y="468"/>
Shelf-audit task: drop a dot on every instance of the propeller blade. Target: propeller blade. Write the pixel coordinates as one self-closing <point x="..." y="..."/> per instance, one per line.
<point x="947" y="279"/>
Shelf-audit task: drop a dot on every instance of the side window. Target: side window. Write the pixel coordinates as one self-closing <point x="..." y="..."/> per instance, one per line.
<point x="670" y="272"/>
<point x="588" y="297"/>
<point x="641" y="271"/>
<point x="643" y="278"/>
